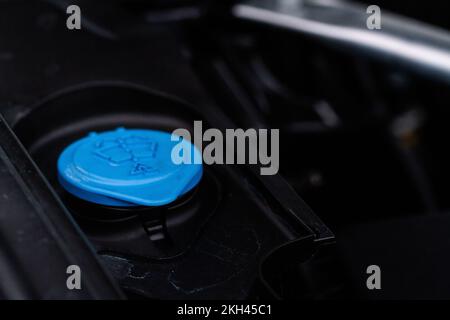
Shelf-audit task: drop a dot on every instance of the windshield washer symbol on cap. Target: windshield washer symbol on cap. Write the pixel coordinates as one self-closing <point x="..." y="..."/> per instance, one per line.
<point x="121" y="150"/>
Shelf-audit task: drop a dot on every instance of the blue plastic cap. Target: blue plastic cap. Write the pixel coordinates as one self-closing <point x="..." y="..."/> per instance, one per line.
<point x="127" y="167"/>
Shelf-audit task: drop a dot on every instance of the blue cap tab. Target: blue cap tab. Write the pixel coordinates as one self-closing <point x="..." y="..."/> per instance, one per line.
<point x="127" y="167"/>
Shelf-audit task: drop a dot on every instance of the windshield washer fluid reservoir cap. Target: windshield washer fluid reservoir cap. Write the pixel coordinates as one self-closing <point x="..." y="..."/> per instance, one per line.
<point x="128" y="167"/>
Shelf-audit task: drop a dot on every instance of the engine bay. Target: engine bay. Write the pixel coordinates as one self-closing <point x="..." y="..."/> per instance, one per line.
<point x="357" y="185"/>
